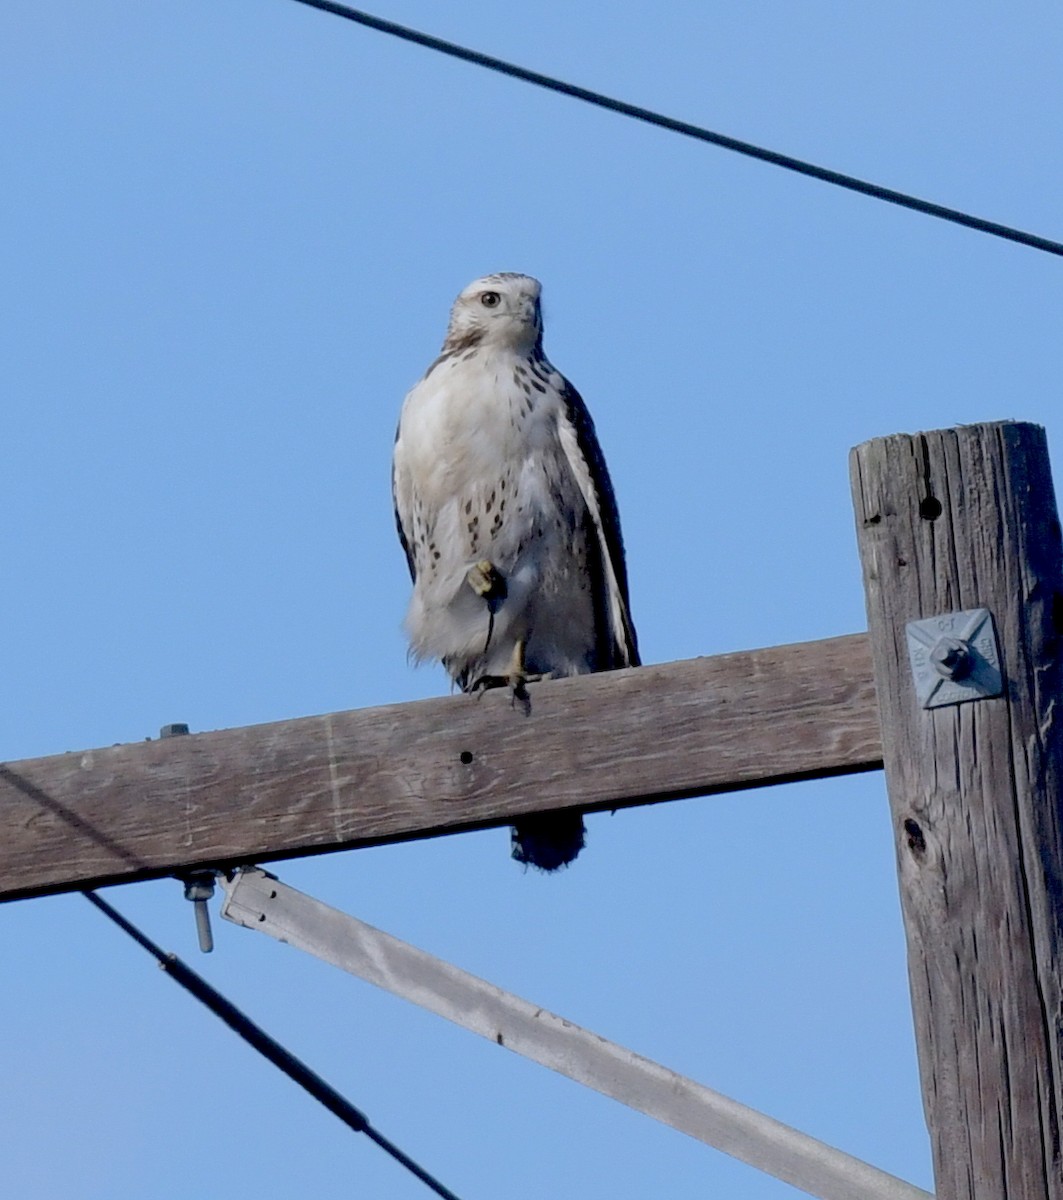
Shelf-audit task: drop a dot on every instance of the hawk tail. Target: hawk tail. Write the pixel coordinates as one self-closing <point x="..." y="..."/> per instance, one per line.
<point x="548" y="842"/>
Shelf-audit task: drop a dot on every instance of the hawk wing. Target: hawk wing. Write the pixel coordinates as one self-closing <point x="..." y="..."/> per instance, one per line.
<point x="618" y="645"/>
<point x="401" y="499"/>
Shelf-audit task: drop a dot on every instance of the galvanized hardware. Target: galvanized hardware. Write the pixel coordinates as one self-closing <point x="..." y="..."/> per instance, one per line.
<point x="199" y="888"/>
<point x="951" y="658"/>
<point x="260" y="901"/>
<point x="954" y="657"/>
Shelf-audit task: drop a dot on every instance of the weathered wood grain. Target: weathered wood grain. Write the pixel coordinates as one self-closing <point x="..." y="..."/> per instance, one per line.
<point x="436" y="766"/>
<point x="949" y="521"/>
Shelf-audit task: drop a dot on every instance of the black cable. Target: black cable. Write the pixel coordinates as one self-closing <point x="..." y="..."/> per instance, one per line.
<point x="266" y="1046"/>
<point x="1033" y="240"/>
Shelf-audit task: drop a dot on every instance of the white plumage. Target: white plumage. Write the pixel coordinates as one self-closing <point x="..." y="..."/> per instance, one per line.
<point x="505" y="508"/>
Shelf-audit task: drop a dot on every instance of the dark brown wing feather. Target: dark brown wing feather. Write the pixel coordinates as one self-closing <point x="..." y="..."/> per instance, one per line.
<point x="398" y="524"/>
<point x="624" y="651"/>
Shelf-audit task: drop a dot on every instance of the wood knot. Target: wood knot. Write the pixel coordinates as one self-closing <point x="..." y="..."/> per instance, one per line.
<point x="916" y="840"/>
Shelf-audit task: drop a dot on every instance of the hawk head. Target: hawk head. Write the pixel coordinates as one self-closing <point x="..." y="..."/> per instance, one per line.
<point x="499" y="310"/>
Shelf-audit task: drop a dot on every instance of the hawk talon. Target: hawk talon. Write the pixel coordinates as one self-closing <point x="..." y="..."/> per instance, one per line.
<point x="515" y="683"/>
<point x="487" y="683"/>
<point x="516" y="680"/>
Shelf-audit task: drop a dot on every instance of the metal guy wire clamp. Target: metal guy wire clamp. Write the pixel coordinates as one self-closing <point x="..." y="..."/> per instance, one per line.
<point x="199" y="885"/>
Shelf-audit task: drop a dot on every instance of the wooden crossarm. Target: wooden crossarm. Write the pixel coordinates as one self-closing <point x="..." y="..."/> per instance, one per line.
<point x="369" y="776"/>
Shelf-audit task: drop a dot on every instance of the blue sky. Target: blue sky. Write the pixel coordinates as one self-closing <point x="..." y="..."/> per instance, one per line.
<point x="234" y="232"/>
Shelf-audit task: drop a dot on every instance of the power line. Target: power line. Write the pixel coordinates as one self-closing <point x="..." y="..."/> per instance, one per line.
<point x="1033" y="240"/>
<point x="266" y="1046"/>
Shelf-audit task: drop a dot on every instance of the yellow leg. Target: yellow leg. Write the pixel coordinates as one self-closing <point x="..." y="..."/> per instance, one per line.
<point x="517" y="676"/>
<point x="515" y="679"/>
<point x="516" y="663"/>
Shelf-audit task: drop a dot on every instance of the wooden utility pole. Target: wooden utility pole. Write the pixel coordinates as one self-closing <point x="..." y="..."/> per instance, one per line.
<point x="949" y="523"/>
<point x="963" y="568"/>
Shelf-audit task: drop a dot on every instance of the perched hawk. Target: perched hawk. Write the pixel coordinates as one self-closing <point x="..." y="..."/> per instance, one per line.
<point x="507" y="516"/>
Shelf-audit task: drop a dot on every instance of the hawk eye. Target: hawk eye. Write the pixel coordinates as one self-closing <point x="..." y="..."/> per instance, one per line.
<point x="490" y="299"/>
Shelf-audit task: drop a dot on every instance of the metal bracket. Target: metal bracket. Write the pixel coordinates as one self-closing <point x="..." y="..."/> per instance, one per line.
<point x="954" y="657"/>
<point x="260" y="901"/>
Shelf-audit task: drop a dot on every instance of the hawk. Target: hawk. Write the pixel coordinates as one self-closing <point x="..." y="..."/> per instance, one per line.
<point x="506" y="513"/>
